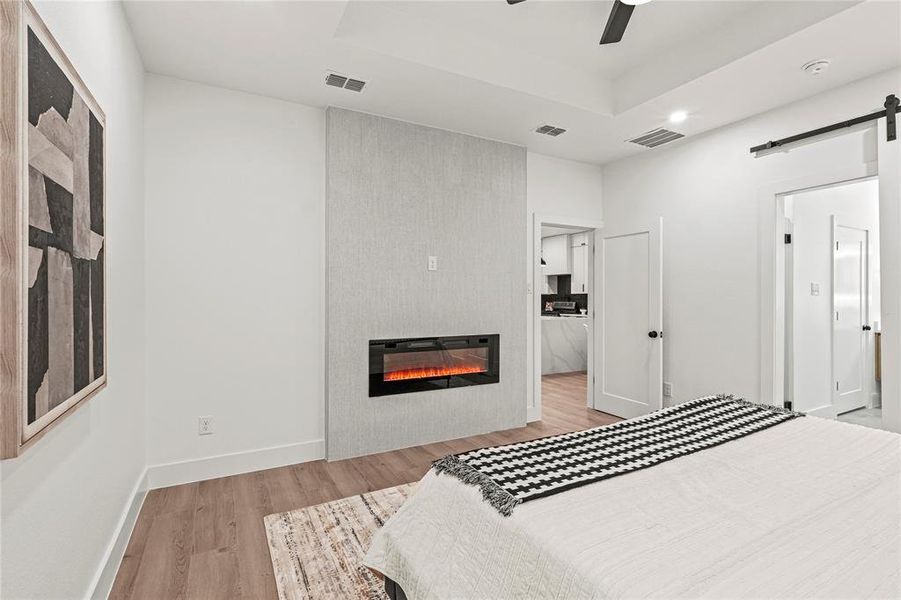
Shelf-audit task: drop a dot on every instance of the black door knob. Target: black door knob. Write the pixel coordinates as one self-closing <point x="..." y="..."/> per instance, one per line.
<point x="652" y="334"/>
<point x="867" y="328"/>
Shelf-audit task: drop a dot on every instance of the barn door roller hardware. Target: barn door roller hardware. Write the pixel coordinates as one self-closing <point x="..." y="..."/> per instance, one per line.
<point x="890" y="112"/>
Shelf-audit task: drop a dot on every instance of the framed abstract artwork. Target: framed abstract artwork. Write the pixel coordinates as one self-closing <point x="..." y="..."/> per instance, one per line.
<point x="52" y="233"/>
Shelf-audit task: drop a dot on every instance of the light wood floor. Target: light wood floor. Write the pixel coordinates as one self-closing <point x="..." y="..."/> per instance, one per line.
<point x="206" y="539"/>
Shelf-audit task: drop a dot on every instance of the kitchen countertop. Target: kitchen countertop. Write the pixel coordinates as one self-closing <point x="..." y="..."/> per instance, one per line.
<point x="564" y="343"/>
<point x="562" y="318"/>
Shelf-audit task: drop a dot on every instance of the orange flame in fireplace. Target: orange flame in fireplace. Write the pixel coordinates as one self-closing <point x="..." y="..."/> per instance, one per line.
<point x="423" y="372"/>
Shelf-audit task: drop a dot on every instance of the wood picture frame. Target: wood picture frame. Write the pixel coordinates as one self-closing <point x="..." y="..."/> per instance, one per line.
<point x="53" y="241"/>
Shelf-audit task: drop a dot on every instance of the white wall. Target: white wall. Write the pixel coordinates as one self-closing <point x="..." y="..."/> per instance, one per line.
<point x="857" y="205"/>
<point x="194" y="133"/>
<point x="235" y="189"/>
<point x="559" y="188"/>
<point x="714" y="195"/>
<point x="62" y="499"/>
<point x="563" y="188"/>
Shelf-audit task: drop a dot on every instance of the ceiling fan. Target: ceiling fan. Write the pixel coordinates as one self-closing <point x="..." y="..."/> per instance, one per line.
<point x="616" y="22"/>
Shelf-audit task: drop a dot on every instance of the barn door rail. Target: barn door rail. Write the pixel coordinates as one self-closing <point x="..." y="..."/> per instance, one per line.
<point x="891" y="110"/>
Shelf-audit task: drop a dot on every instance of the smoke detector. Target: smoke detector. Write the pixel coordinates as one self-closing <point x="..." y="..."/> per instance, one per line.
<point x="816" y="67"/>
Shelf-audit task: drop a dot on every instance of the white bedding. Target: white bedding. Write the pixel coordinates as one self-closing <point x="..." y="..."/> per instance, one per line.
<point x="810" y="508"/>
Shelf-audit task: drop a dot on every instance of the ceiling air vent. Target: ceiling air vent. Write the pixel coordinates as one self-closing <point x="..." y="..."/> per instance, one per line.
<point x="655" y="138"/>
<point x="550" y="130"/>
<point x="342" y="81"/>
<point x="354" y="85"/>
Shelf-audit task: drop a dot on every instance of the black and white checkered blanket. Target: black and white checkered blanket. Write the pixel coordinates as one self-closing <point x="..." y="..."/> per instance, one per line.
<point x="515" y="473"/>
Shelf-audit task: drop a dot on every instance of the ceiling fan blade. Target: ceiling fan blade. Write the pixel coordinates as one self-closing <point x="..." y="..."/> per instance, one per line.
<point x="616" y="22"/>
<point x="515" y="1"/>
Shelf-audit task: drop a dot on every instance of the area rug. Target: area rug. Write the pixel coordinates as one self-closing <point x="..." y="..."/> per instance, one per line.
<point x="317" y="552"/>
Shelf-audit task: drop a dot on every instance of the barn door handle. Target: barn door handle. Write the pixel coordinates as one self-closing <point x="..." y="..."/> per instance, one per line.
<point x="653" y="334"/>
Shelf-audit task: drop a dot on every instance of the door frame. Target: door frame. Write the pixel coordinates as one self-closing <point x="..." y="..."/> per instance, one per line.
<point x="534" y="406"/>
<point x="868" y="388"/>
<point x="772" y="270"/>
<point x="882" y="158"/>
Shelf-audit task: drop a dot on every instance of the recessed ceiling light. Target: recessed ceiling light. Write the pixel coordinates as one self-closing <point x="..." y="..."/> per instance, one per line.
<point x="816" y="67"/>
<point x="635" y="2"/>
<point x="678" y="116"/>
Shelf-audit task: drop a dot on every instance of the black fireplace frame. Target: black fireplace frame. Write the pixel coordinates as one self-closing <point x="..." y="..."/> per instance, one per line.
<point x="379" y="348"/>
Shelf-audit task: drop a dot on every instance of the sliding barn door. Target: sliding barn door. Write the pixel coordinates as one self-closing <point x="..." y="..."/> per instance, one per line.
<point x="630" y="321"/>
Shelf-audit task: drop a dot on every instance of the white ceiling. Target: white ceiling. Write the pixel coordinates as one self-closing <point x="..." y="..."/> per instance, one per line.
<point x="494" y="70"/>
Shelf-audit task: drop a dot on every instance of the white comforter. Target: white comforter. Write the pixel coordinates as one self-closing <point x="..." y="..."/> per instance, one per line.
<point x="810" y="508"/>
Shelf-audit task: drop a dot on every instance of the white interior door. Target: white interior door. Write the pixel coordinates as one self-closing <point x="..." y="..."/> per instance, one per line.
<point x="850" y="372"/>
<point x="629" y="321"/>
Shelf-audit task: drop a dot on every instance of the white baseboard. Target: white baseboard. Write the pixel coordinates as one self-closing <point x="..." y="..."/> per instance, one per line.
<point x="103" y="580"/>
<point x="165" y="475"/>
<point x="827" y="411"/>
<point x="223" y="465"/>
<point x="875" y="400"/>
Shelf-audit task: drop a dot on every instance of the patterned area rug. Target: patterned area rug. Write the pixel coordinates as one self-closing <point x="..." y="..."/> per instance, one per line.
<point x="317" y="552"/>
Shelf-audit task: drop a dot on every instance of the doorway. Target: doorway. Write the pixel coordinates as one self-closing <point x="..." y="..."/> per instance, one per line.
<point x="562" y="314"/>
<point x="566" y="263"/>
<point x="623" y="321"/>
<point x="832" y="301"/>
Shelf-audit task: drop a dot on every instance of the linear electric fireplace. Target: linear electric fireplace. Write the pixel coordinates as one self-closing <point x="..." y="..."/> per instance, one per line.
<point x="434" y="363"/>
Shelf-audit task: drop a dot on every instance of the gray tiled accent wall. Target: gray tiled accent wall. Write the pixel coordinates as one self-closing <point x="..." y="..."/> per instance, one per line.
<point x="397" y="193"/>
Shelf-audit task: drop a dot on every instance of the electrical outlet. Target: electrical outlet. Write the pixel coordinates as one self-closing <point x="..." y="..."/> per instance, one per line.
<point x="433" y="263"/>
<point x="204" y="425"/>
<point x="667" y="389"/>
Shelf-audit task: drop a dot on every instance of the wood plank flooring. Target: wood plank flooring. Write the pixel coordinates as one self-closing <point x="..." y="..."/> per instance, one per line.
<point x="206" y="539"/>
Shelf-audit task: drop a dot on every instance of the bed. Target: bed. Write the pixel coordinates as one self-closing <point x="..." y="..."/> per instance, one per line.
<point x="809" y="508"/>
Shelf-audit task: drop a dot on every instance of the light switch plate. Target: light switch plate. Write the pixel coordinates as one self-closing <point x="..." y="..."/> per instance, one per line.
<point x="667" y="389"/>
<point x="433" y="263"/>
<point x="814" y="289"/>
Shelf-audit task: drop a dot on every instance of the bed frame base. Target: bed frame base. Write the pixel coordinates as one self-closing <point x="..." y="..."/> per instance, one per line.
<point x="393" y="590"/>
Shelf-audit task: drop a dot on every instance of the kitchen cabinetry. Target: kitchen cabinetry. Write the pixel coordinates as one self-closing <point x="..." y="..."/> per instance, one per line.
<point x="580" y="270"/>
<point x="556" y="253"/>
<point x="578" y="239"/>
<point x="564" y="344"/>
<point x="580" y="261"/>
